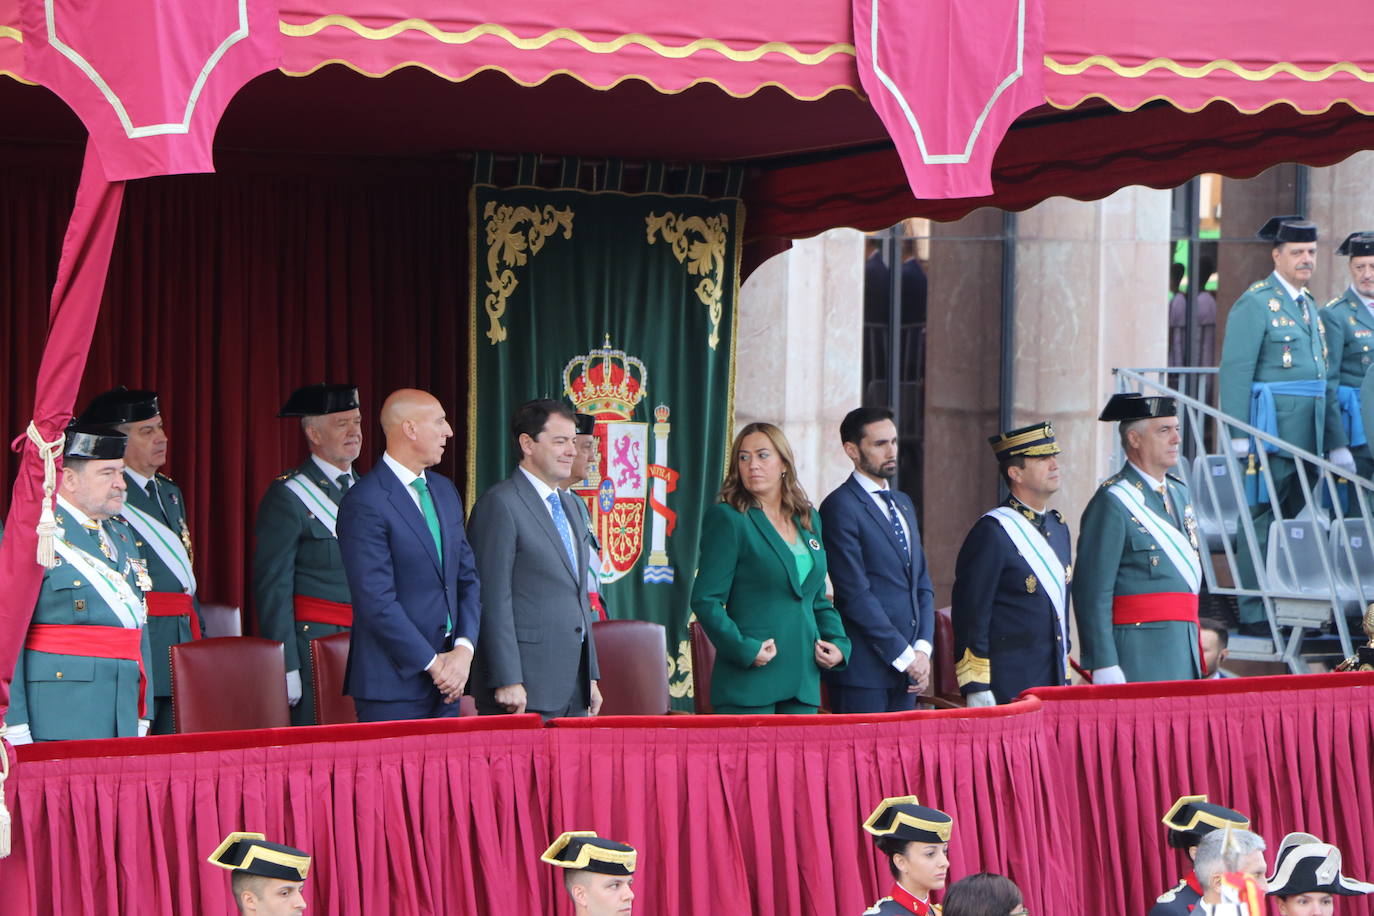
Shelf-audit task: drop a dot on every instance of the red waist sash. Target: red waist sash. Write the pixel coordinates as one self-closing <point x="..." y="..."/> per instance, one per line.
<point x="318" y="610"/>
<point x="93" y="642"/>
<point x="173" y="604"/>
<point x="1180" y="607"/>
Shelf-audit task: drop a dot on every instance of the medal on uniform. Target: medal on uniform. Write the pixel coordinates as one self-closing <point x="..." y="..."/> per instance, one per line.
<point x="1274" y="323"/>
<point x="141" y="577"/>
<point x="1030" y="585"/>
<point x="1273" y="305"/>
<point x="186" y="541"/>
<point x="815" y="544"/>
<point x="1287" y="357"/>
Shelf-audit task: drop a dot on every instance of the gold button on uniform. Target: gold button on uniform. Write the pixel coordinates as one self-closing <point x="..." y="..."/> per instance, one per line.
<point x="59" y="675"/>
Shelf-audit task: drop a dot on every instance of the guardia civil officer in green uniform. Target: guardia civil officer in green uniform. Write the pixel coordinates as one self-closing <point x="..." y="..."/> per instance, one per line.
<point x="156" y="509"/>
<point x="1190" y="819"/>
<point x="1011" y="581"/>
<point x="1349" y="321"/>
<point x="299" y="589"/>
<point x="265" y="878"/>
<point x="1275" y="375"/>
<point x="84" y="669"/>
<point x="1136" y="581"/>
<point x="598" y="873"/>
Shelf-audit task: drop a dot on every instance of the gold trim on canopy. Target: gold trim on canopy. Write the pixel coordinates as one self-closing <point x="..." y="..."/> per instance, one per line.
<point x="1269" y="103"/>
<point x="465" y="36"/>
<point x="1207" y="69"/>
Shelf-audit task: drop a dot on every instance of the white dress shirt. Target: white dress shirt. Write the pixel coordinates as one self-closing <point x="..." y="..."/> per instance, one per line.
<point x="333" y="473"/>
<point x="874" y="490"/>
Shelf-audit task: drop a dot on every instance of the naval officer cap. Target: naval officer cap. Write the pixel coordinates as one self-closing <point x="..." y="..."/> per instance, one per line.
<point x="86" y="441"/>
<point x="1357" y="245"/>
<point x="905" y="818"/>
<point x="1034" y="441"/>
<point x="319" y="399"/>
<point x="120" y="405"/>
<point x="586" y="424"/>
<point x="1193" y="817"/>
<point x="583" y="850"/>
<point x="1282" y="229"/>
<point x="1308" y="866"/>
<point x="1132" y="405"/>
<point x="251" y="853"/>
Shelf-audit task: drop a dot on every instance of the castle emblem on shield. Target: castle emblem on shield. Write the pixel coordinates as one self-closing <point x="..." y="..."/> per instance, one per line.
<point x="624" y="489"/>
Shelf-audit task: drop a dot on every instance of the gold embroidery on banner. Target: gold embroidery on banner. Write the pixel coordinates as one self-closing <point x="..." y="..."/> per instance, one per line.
<point x="1207" y="69"/>
<point x="509" y="245"/>
<point x="680" y="672"/>
<point x="704" y="257"/>
<point x="465" y="36"/>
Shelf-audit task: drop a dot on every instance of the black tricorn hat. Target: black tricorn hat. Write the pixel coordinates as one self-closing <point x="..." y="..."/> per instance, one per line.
<point x="1288" y="229"/>
<point x="97" y="443"/>
<point x="904" y="818"/>
<point x="1132" y="405"/>
<point x="1311" y="867"/>
<point x="1193" y="817"/>
<point x="120" y="405"/>
<point x="586" y="424"/>
<point x="1357" y="245"/>
<point x="583" y="850"/>
<point x="251" y="853"/>
<point x="319" y="399"/>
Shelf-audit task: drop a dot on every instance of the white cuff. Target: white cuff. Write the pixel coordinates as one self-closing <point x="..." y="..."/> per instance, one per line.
<point x="1241" y="447"/>
<point x="980" y="698"/>
<point x="1342" y="458"/>
<point x="927" y="648"/>
<point x="431" y="662"/>
<point x="465" y="643"/>
<point x="143" y="726"/>
<point x="903" y="661"/>
<point x="1112" y="675"/>
<point x="19" y="734"/>
<point x="293" y="687"/>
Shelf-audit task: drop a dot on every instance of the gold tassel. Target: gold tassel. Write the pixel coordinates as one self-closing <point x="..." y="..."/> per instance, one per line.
<point x="47" y="522"/>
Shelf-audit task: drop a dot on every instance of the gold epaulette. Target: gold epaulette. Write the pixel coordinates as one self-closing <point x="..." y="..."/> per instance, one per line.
<point x="877" y="907"/>
<point x="161" y="476"/>
<point x="1334" y="302"/>
<point x="1260" y="285"/>
<point x="286" y="476"/>
<point x="973" y="670"/>
<point x="1111" y="480"/>
<point x="1169" y="895"/>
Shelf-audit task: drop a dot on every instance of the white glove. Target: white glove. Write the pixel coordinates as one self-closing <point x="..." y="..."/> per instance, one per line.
<point x="1342" y="459"/>
<point x="293" y="687"/>
<point x="1241" y="446"/>
<point x="1112" y="675"/>
<point x="980" y="698"/>
<point x="143" y="726"/>
<point x="19" y="734"/>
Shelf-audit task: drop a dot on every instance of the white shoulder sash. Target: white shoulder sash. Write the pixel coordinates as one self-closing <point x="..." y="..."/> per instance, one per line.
<point x="113" y="588"/>
<point x="165" y="543"/>
<point x="1035" y="549"/>
<point x="1173" y="543"/>
<point x="315" y="500"/>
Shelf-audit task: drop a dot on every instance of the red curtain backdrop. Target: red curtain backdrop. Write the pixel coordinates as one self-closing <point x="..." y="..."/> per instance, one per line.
<point x="227" y="291"/>
<point x="733" y="816"/>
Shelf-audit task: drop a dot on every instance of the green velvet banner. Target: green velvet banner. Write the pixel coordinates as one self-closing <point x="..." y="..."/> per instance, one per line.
<point x="623" y="305"/>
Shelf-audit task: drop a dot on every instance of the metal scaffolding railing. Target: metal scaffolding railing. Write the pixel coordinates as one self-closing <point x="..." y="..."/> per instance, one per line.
<point x="1318" y="568"/>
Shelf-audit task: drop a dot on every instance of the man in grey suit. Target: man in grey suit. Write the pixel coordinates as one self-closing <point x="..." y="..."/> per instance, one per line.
<point x="536" y="651"/>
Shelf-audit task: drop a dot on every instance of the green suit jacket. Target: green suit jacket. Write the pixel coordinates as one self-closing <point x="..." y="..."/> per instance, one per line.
<point x="64" y="697"/>
<point x="1263" y="326"/>
<point x="1349" y="337"/>
<point x="1118" y="556"/>
<point x="296" y="555"/>
<point x="164" y="632"/>
<point x="747" y="591"/>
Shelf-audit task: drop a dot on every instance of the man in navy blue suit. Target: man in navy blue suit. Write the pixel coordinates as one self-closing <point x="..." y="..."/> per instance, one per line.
<point x="416" y="598"/>
<point x="878" y="569"/>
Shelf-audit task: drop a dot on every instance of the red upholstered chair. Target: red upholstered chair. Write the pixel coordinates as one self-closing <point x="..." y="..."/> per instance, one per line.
<point x="633" y="657"/>
<point x="328" y="660"/>
<point x="229" y="683"/>
<point x="703" y="660"/>
<point x="221" y="620"/>
<point x="945" y="686"/>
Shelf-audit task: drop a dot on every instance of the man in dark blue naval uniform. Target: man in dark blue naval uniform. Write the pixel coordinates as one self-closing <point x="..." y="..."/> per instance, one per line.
<point x="1190" y="819"/>
<point x="1011" y="581"/>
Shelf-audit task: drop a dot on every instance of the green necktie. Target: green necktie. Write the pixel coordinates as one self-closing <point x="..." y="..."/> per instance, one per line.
<point x="432" y="520"/>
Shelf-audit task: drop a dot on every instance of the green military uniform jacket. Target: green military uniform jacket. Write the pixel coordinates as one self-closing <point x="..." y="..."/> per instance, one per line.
<point x="1118" y="556"/>
<point x="65" y="697"/>
<point x="164" y="632"/>
<point x="1350" y="338"/>
<point x="1268" y="339"/>
<point x="747" y="591"/>
<point x="296" y="555"/>
<point x="1367" y="401"/>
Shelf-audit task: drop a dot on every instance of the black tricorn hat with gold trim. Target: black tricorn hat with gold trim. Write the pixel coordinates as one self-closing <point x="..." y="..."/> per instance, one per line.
<point x="1193" y="817"/>
<point x="251" y="853"/>
<point x="1132" y="405"/>
<point x="320" y="399"/>
<point x="1034" y="441"/>
<point x="583" y="850"/>
<point x="905" y="818"/>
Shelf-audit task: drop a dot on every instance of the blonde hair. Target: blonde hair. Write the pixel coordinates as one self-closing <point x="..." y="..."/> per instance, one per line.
<point x="794" y="501"/>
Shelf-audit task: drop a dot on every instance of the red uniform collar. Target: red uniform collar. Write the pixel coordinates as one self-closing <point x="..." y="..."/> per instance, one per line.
<point x="903" y="897"/>
<point x="1194" y="883"/>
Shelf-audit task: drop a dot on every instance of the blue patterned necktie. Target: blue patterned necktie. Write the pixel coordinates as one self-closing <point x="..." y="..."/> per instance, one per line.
<point x="560" y="521"/>
<point x="896" y="522"/>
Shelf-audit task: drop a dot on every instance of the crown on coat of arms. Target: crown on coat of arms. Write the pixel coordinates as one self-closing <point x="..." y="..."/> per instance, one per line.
<point x="610" y="383"/>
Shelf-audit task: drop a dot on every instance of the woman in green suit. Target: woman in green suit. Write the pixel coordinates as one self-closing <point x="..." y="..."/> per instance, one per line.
<point x="760" y="587"/>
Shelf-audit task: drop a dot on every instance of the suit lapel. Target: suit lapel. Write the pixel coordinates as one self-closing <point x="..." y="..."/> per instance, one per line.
<point x="313" y="472"/>
<point x="1294" y="312"/>
<point x="780" y="548"/>
<point x="529" y="497"/>
<point x="410" y="513"/>
<point x="1152" y="497"/>
<point x="882" y="519"/>
<point x="142" y="501"/>
<point x="84" y="538"/>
